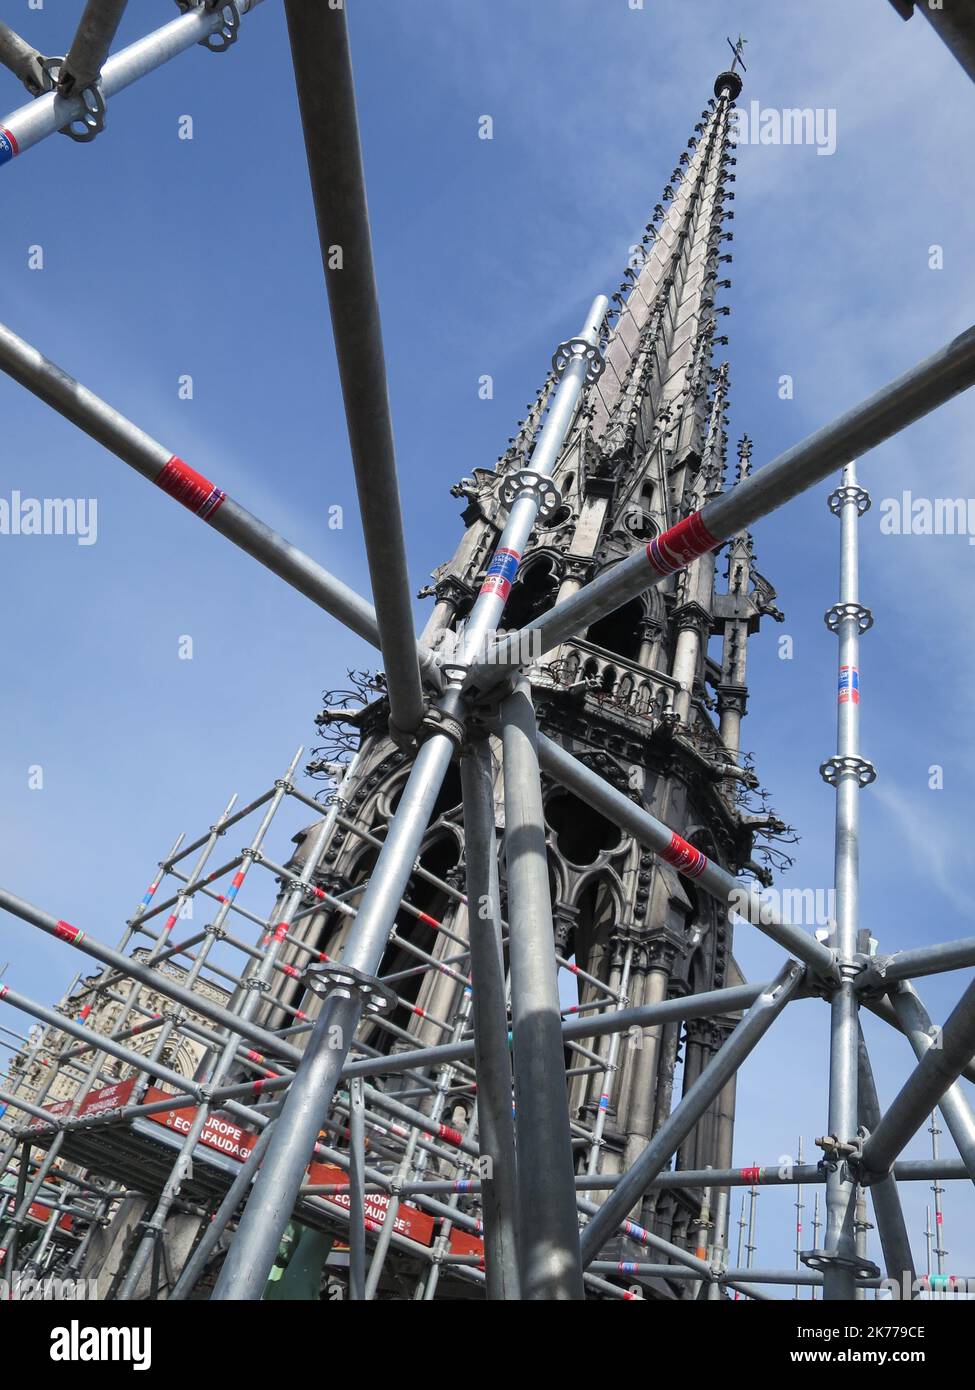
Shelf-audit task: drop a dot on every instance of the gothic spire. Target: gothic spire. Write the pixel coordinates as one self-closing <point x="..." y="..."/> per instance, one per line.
<point x="654" y="393"/>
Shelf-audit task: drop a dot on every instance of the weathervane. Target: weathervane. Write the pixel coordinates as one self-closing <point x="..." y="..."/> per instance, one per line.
<point x="736" y="49"/>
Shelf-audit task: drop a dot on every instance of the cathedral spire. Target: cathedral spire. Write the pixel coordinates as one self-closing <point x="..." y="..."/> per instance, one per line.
<point x="648" y="413"/>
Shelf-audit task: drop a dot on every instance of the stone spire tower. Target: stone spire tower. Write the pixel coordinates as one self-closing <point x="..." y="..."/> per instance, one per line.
<point x="651" y="697"/>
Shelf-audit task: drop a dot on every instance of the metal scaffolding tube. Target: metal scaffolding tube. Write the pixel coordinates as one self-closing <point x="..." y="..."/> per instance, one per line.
<point x="900" y="403"/>
<point x="847" y="772"/>
<point x="326" y="98"/>
<point x="90" y="46"/>
<point x="668" y="1138"/>
<point x="891" y="1226"/>
<point x="30" y="124"/>
<point x="492" y="1060"/>
<point x="548" y="1228"/>
<point x="929" y="960"/>
<point x="937" y="1070"/>
<point x="954" y="1106"/>
<point x="673" y="848"/>
<point x="23" y="60"/>
<point x="178" y="480"/>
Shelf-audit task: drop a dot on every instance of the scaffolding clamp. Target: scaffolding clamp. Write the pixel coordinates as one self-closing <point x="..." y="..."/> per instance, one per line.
<point x="327" y="978"/>
<point x="849" y="493"/>
<point x="834" y="768"/>
<point x="577" y="349"/>
<point x="841" y="612"/>
<point x="228" y="33"/>
<point x="525" y="482"/>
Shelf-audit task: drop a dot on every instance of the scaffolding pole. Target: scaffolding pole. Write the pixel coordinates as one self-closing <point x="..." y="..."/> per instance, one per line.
<point x="326" y="97"/>
<point x="847" y="772"/>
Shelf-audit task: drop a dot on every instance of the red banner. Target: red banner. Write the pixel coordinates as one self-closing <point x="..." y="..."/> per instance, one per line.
<point x="410" y="1221"/>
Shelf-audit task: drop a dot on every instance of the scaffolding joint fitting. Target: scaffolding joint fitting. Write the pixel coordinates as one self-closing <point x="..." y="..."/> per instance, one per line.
<point x="841" y="765"/>
<point x="326" y="978"/>
<point x="526" y="482"/>
<point x="870" y="979"/>
<point x="229" y="32"/>
<point x="854" y="493"/>
<point x="218" y="933"/>
<point x="822" y="1260"/>
<point x="91" y="121"/>
<point x="839" y="1151"/>
<point x="578" y="350"/>
<point x="840" y="613"/>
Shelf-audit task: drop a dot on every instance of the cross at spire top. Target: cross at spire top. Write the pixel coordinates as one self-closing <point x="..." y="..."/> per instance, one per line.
<point x="736" y="49"/>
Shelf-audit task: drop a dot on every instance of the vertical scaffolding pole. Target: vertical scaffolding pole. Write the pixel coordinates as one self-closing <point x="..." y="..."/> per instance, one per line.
<point x="938" y="1190"/>
<point x="548" y="1221"/>
<point x="357" y="1192"/>
<point x="492" y="1058"/>
<point x="847" y="772"/>
<point x="799" y="1209"/>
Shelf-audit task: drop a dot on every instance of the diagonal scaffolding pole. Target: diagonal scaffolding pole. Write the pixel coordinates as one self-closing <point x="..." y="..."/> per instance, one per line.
<point x="673" y="848"/>
<point x="269" y="1207"/>
<point x="326" y="97"/>
<point x="668" y="1138"/>
<point x="198" y="494"/>
<point x="93" y="38"/>
<point x="937" y="1070"/>
<point x="23" y="60"/>
<point x="548" y="1231"/>
<point x="900" y="403"/>
<point x="954" y="1106"/>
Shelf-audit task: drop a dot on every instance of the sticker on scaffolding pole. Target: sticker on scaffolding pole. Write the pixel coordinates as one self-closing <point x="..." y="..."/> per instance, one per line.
<point x="9" y="148"/>
<point x="684" y="857"/>
<point x="501" y="572"/>
<point x="680" y="545"/>
<point x="848" y="686"/>
<point x="190" y="488"/>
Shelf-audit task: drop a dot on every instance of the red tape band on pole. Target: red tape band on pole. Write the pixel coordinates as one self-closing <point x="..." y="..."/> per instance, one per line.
<point x="684" y="857"/>
<point x="190" y="488"/>
<point x="680" y="545"/>
<point x="69" y="933"/>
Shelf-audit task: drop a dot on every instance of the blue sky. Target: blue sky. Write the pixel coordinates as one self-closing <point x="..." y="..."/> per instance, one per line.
<point x="164" y="257"/>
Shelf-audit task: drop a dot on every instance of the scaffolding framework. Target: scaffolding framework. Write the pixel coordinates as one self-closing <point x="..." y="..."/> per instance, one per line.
<point x="177" y="1083"/>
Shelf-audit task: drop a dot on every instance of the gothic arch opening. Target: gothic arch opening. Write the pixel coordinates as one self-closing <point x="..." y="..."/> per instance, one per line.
<point x="619" y="632"/>
<point x="532" y="594"/>
<point x="448" y="799"/>
<point x="581" y="834"/>
<point x="438" y="857"/>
